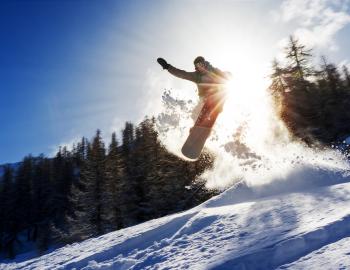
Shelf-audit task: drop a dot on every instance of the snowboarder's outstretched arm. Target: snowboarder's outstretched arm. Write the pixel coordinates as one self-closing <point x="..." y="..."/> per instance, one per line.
<point x="190" y="76"/>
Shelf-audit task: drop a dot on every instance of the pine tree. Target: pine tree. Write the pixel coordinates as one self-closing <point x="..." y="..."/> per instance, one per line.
<point x="331" y="76"/>
<point x="80" y="152"/>
<point x="7" y="218"/>
<point x="62" y="175"/>
<point x="199" y="192"/>
<point x="298" y="57"/>
<point x="167" y="186"/>
<point x="130" y="195"/>
<point x="42" y="203"/>
<point x="113" y="189"/>
<point x="19" y="206"/>
<point x="128" y="139"/>
<point x="23" y="198"/>
<point x="87" y="195"/>
<point x="333" y="99"/>
<point x="167" y="178"/>
<point x="347" y="77"/>
<point x="150" y="171"/>
<point x="278" y="75"/>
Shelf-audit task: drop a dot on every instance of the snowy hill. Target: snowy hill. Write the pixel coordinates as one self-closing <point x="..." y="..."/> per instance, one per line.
<point x="287" y="224"/>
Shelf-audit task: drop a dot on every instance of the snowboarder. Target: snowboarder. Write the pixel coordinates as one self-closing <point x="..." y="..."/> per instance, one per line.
<point x="210" y="82"/>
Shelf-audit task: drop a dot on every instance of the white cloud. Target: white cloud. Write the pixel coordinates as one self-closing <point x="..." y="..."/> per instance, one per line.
<point x="317" y="21"/>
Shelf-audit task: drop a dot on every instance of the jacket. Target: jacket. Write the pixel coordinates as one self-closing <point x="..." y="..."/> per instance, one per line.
<point x="208" y="83"/>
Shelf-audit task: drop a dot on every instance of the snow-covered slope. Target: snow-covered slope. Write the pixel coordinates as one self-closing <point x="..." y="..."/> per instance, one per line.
<point x="293" y="224"/>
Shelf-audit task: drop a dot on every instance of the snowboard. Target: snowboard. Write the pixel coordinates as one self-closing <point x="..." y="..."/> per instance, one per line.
<point x="202" y="128"/>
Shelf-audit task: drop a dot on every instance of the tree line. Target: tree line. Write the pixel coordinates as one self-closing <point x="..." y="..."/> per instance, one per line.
<point x="93" y="189"/>
<point x="313" y="101"/>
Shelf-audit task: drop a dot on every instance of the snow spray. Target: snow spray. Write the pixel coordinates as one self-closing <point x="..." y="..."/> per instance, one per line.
<point x="250" y="143"/>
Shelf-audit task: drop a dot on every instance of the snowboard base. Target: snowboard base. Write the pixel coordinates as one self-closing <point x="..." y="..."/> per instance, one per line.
<point x="200" y="132"/>
<point x="195" y="142"/>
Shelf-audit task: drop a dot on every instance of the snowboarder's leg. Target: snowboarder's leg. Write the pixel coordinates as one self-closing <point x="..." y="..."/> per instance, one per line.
<point x="210" y="111"/>
<point x="197" y="109"/>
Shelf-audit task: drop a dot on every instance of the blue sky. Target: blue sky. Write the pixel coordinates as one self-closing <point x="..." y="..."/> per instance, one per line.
<point x="70" y="67"/>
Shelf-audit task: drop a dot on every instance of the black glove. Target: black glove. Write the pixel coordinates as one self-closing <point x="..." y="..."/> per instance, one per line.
<point x="163" y="63"/>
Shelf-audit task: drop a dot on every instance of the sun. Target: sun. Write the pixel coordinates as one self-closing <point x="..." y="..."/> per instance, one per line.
<point x="246" y="101"/>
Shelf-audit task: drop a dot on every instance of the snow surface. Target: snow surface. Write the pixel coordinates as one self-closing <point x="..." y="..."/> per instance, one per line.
<point x="287" y="225"/>
<point x="333" y="256"/>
